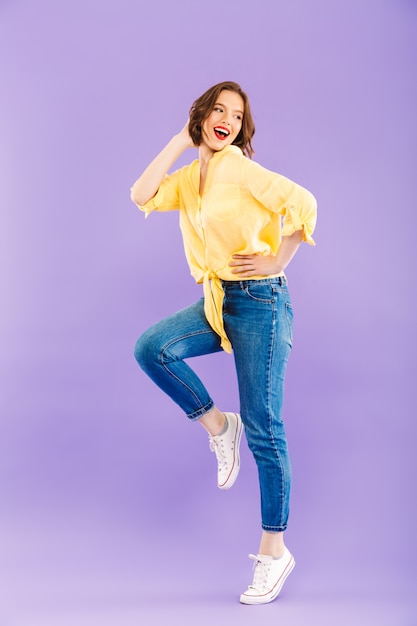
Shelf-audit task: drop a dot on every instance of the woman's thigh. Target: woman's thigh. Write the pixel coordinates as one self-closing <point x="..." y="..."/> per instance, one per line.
<point x="258" y="321"/>
<point x="182" y="335"/>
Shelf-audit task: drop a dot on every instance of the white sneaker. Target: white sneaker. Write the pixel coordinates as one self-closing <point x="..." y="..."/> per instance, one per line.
<point x="268" y="578"/>
<point x="226" y="448"/>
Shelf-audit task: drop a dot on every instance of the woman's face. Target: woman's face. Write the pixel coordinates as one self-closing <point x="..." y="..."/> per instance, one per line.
<point x="223" y="124"/>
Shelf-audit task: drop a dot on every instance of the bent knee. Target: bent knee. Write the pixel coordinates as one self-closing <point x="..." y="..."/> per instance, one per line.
<point x="147" y="349"/>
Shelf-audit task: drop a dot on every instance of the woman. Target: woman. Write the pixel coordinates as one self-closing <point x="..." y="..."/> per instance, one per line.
<point x="241" y="226"/>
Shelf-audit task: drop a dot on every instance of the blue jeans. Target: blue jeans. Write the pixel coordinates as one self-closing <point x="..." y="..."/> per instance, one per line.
<point x="258" y="321"/>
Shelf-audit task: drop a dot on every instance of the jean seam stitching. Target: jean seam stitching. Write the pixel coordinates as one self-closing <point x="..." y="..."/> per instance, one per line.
<point x="272" y="341"/>
<point x="289" y="323"/>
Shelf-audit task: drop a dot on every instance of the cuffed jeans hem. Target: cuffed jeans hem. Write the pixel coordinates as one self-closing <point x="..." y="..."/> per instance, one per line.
<point x="202" y="411"/>
<point x="274" y="529"/>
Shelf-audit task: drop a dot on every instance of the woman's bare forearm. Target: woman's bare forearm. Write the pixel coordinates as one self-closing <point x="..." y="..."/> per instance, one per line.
<point x="287" y="249"/>
<point x="247" y="265"/>
<point x="148" y="183"/>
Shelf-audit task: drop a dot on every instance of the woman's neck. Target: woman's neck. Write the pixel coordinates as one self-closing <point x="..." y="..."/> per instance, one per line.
<point x="204" y="155"/>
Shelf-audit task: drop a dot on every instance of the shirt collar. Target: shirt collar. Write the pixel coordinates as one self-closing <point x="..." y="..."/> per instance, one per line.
<point x="226" y="149"/>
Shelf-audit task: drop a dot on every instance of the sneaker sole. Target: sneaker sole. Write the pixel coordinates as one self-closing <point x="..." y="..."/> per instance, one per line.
<point x="229" y="482"/>
<point x="271" y="595"/>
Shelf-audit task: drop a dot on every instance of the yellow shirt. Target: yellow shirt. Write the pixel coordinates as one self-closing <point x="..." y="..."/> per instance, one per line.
<point x="244" y="209"/>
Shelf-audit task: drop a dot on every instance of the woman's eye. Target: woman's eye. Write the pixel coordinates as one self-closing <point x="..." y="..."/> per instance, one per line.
<point x="219" y="109"/>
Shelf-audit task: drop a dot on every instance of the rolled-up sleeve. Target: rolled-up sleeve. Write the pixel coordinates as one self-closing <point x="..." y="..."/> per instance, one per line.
<point x="281" y="195"/>
<point x="301" y="214"/>
<point x="166" y="198"/>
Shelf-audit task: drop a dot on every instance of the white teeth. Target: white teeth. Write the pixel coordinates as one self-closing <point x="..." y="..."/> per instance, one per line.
<point x="222" y="131"/>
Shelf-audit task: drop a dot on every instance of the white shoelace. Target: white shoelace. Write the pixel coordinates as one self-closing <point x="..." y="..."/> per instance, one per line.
<point x="217" y="446"/>
<point x="261" y="570"/>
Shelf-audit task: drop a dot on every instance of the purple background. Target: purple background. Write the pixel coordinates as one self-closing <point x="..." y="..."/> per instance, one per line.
<point x="109" y="509"/>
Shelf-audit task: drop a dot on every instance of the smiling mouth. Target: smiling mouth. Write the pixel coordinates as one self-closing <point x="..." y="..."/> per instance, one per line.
<point x="221" y="132"/>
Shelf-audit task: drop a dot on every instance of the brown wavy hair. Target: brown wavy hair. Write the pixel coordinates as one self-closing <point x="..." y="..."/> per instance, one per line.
<point x="204" y="105"/>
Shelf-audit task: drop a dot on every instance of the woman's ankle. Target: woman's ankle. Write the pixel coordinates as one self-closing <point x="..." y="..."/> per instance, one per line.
<point x="272" y="544"/>
<point x="213" y="422"/>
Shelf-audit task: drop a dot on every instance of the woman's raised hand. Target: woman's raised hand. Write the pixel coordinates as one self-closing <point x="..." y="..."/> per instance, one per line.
<point x="185" y="136"/>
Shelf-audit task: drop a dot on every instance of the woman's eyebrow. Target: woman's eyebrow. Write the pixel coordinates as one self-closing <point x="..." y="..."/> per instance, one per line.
<point x="225" y="107"/>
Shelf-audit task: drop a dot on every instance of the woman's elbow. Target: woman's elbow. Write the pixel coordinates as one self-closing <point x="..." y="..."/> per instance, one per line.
<point x="137" y="197"/>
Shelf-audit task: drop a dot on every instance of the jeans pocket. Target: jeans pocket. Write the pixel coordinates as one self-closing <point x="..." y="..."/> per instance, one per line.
<point x="260" y="292"/>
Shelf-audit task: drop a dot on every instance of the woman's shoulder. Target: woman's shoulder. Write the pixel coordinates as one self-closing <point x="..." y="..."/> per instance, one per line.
<point x="189" y="167"/>
<point x="184" y="172"/>
<point x="233" y="154"/>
